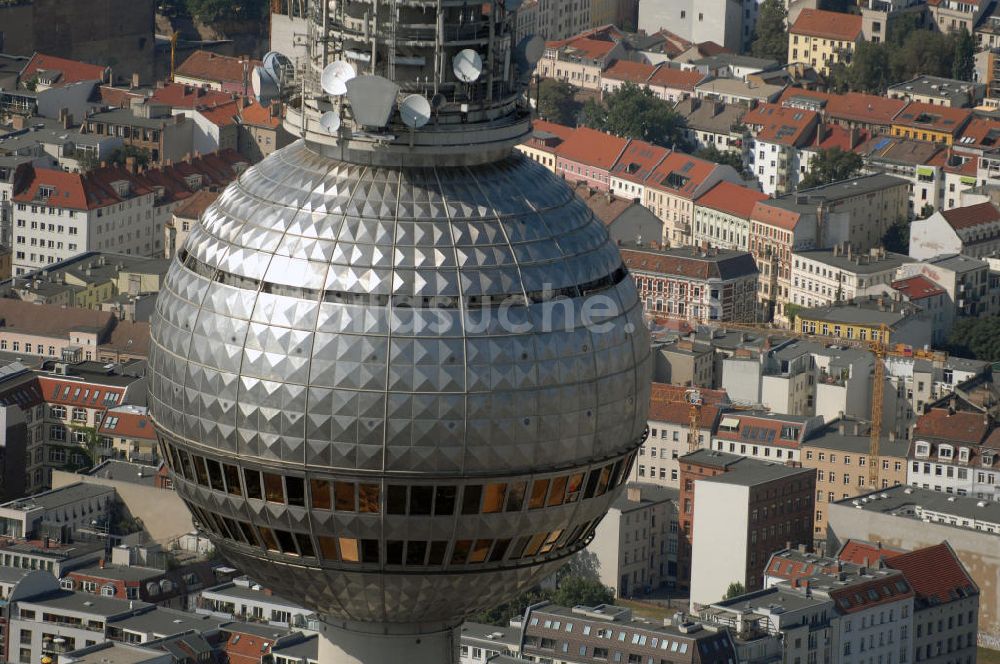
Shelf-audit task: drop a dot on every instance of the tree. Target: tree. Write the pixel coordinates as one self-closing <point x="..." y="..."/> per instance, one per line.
<point x="575" y="590"/>
<point x="978" y="338"/>
<point x="500" y="615"/>
<point x="897" y="237"/>
<point x="634" y="112"/>
<point x="725" y="157"/>
<point x="963" y="66"/>
<point x="556" y="102"/>
<point x="831" y="165"/>
<point x="867" y="72"/>
<point x="735" y="589"/>
<point x="584" y="564"/>
<point x="770" y="33"/>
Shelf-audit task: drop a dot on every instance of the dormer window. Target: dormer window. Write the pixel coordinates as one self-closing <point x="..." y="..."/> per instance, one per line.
<point x="987" y="459"/>
<point x="963" y="454"/>
<point x="945" y="452"/>
<point x="45" y="191"/>
<point x="922" y="449"/>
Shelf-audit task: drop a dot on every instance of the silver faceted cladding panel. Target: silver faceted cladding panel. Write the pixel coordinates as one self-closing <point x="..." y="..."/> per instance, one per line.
<point x="423" y="326"/>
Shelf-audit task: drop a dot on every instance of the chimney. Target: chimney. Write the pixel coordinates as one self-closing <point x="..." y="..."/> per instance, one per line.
<point x="805" y="584"/>
<point x="67" y="121"/>
<point x="101" y="563"/>
<point x="855" y="137"/>
<point x="634" y="494"/>
<point x="841" y="427"/>
<point x="135" y="79"/>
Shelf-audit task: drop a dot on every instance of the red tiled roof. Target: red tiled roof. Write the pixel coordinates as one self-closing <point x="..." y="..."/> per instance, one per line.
<point x="178" y="95"/>
<point x="72" y="71"/>
<point x="972" y="215"/>
<point x="638" y="160"/>
<point x="732" y="199"/>
<point x="594" y="49"/>
<point x="677" y="79"/>
<point x="681" y="174"/>
<point x="960" y="427"/>
<point x="936" y="573"/>
<point x="917" y="287"/>
<point x="593" y="148"/>
<point x="979" y="133"/>
<point x="117" y="97"/>
<point x="774" y="216"/>
<point x="782" y="125"/>
<point x="855" y="597"/>
<point x="668" y="403"/>
<point x="605" y="32"/>
<point x="650" y="261"/>
<point x="763" y="425"/>
<point x="943" y="119"/>
<point x="132" y="422"/>
<point x="960" y="165"/>
<point x="865" y="553"/>
<point x="256" y="115"/>
<point x="221" y="115"/>
<point x="68" y="190"/>
<point x="828" y="25"/>
<point x="626" y="70"/>
<point x="76" y="392"/>
<point x="196" y="204"/>
<point x="208" y="66"/>
<point x="840" y="137"/>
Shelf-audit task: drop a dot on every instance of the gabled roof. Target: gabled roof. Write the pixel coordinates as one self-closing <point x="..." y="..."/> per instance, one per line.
<point x="208" y="66"/>
<point x="782" y="125"/>
<point x="863" y="596"/>
<point x="626" y="70"/>
<point x="681" y="174"/>
<point x="979" y="133"/>
<point x="678" y="79"/>
<point x="256" y="115"/>
<point x="67" y="190"/>
<point x="668" y="403"/>
<point x="178" y="95"/>
<point x="70" y="71"/>
<point x="773" y="215"/>
<point x="733" y="199"/>
<point x="221" y="115"/>
<point x="638" y="160"/>
<point x="764" y="430"/>
<point x="945" y="119"/>
<point x="959" y="427"/>
<point x="917" y="288"/>
<point x="196" y="205"/>
<point x="50" y="320"/>
<point x="592" y="147"/>
<point x="971" y="215"/>
<point x="861" y="552"/>
<point x="936" y="574"/>
<point x="837" y="136"/>
<point x="828" y="25"/>
<point x="127" y="422"/>
<point x="689" y="263"/>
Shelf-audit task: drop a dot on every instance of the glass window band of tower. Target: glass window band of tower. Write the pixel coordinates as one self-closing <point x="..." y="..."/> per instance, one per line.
<point x="438" y="499"/>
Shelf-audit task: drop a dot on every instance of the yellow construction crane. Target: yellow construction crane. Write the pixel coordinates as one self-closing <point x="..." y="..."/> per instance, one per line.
<point x="173" y="52"/>
<point x="880" y="349"/>
<point x="693" y="397"/>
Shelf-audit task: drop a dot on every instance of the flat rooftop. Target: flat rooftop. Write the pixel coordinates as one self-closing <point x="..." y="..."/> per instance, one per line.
<point x="81" y="602"/>
<point x="163" y="622"/>
<point x="112" y="652"/>
<point x="910" y="503"/>
<point x="859" y="263"/>
<point x="72" y="494"/>
<point x="242" y="592"/>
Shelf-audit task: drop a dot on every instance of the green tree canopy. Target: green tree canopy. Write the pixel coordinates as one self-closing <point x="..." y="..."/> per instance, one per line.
<point x="576" y="590"/>
<point x="556" y="102"/>
<point x="725" y="157"/>
<point x="897" y="237"/>
<point x="831" y="165"/>
<point x="963" y="66"/>
<point x="735" y="589"/>
<point x="770" y="33"/>
<point x="978" y="338"/>
<point x="634" y="112"/>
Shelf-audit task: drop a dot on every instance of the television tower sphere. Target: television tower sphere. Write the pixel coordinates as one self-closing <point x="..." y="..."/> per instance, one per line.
<point x="400" y="373"/>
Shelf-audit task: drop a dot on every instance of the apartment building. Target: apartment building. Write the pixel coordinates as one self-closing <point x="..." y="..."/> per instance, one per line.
<point x="956" y="15"/>
<point x="724" y="22"/>
<point x="584" y="634"/>
<point x="205" y="69"/>
<point x="881" y="318"/>
<point x="956" y="452"/>
<point x="840" y="451"/>
<point x="587" y="157"/>
<point x="932" y="299"/>
<point x="59" y="215"/>
<point x="673" y="187"/>
<point x="774" y="153"/>
<point x="965" y="280"/>
<point x="753" y="506"/>
<point x="938" y="91"/>
<point x="544" y="140"/>
<point x="821" y="277"/>
<point x="852" y="110"/>
<point x="972" y="230"/>
<point x="150" y="127"/>
<point x="636" y="543"/>
<point x="582" y="59"/>
<point x="684" y="361"/>
<point x="670" y="427"/>
<point x="694" y="284"/>
<point x="932" y="123"/>
<point x="823" y="39"/>
<point x="722" y="216"/>
<point x="668" y="83"/>
<point x="631" y="169"/>
<point x="767" y="437"/>
<point x="712" y="123"/>
<point x="921" y="521"/>
<point x="915" y="161"/>
<point x="185" y="217"/>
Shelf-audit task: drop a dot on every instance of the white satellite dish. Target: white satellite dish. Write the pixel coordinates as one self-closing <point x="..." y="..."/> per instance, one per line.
<point x="415" y="111"/>
<point x="467" y="65"/>
<point x="275" y="64"/>
<point x="265" y="87"/>
<point x="330" y="121"/>
<point x="335" y="77"/>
